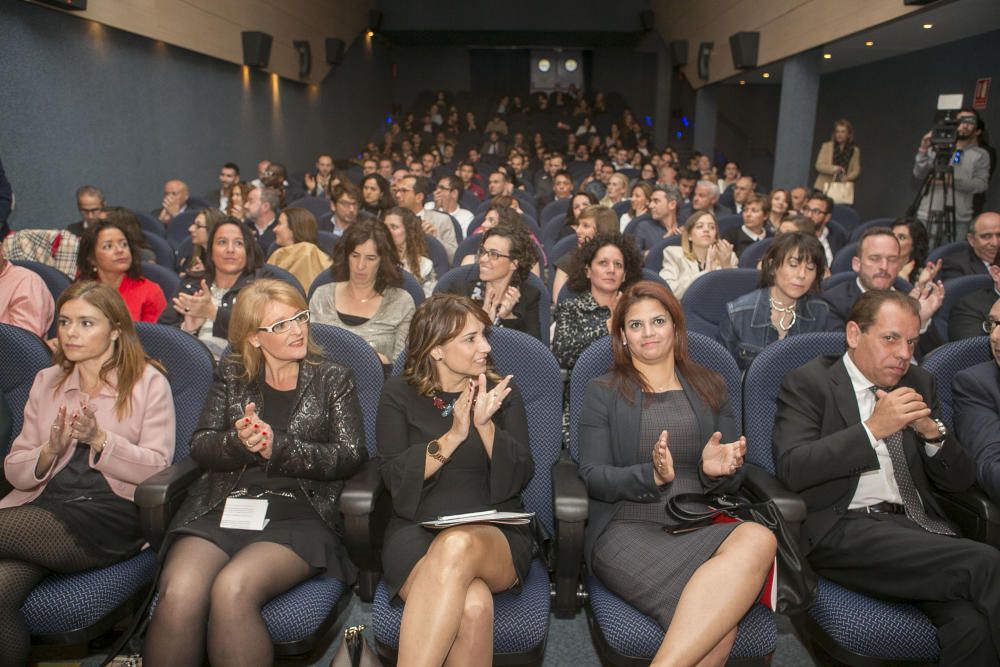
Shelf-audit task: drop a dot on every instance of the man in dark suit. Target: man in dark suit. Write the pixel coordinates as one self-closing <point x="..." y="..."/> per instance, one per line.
<point x="704" y="199"/>
<point x="877" y="265"/>
<point x="819" y="209"/>
<point x="983" y="250"/>
<point x="967" y="316"/>
<point x="229" y="175"/>
<point x="857" y="437"/>
<point x="90" y="204"/>
<point x="976" y="397"/>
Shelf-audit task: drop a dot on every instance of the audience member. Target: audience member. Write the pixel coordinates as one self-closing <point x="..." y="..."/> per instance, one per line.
<point x="365" y="296"/>
<point x="317" y="183"/>
<point x="25" y="301"/>
<point x="685" y="184"/>
<point x="617" y="190"/>
<point x="281" y="423"/>
<point x="839" y="160"/>
<point x="983" y="248"/>
<point x="443" y="453"/>
<point x="262" y="168"/>
<point x="110" y="255"/>
<point x="411" y="246"/>
<point x="970" y="169"/>
<point x="913" y="249"/>
<point x="700" y="251"/>
<point x="577" y="204"/>
<point x="601" y="269"/>
<point x="229" y="175"/>
<point x="175" y="201"/>
<point x="376" y="198"/>
<point x="344" y="200"/>
<point x="97" y="422"/>
<point x="467" y="173"/>
<point x="656" y="426"/>
<point x="858" y="437"/>
<point x="967" y="316"/>
<point x="238" y="194"/>
<point x="446" y="200"/>
<point x="730" y="173"/>
<point x="200" y="229"/>
<point x="754" y="227"/>
<point x="412" y="193"/>
<point x="779" y="208"/>
<point x="787" y="303"/>
<point x="298" y="253"/>
<point x="203" y="307"/>
<point x="742" y="190"/>
<point x="662" y="220"/>
<point x="819" y="208"/>
<point x="90" y="203"/>
<point x="798" y="196"/>
<point x="262" y="215"/>
<point x="592" y="220"/>
<point x="976" y="398"/>
<point x="506" y="255"/>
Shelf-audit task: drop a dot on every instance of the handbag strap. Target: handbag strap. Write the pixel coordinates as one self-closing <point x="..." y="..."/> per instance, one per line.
<point x="680" y="506"/>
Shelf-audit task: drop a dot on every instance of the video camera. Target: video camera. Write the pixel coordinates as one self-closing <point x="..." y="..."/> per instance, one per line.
<point x="944" y="133"/>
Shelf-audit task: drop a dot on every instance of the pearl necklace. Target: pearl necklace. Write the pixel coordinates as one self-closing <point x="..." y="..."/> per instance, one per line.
<point x="784" y="310"/>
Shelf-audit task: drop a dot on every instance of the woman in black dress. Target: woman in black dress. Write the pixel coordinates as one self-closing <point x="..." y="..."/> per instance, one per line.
<point x="453" y="438"/>
<point x="656" y="426"/>
<point x="282" y="425"/>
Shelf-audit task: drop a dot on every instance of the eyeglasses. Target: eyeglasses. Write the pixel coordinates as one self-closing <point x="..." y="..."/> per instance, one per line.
<point x="90" y="211"/>
<point x="990" y="325"/>
<point x="281" y="326"/>
<point x="813" y="211"/>
<point x="492" y="254"/>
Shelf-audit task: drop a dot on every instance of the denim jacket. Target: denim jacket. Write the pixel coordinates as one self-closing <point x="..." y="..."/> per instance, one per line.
<point x="746" y="329"/>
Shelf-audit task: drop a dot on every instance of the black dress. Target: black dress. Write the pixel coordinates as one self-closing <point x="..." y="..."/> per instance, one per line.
<point x="471" y="481"/>
<point x="292" y="521"/>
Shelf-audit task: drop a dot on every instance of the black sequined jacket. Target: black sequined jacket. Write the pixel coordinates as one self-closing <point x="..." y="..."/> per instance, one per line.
<point x="323" y="446"/>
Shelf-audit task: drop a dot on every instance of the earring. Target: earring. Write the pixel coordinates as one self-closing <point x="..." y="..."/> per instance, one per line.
<point x="624" y="341"/>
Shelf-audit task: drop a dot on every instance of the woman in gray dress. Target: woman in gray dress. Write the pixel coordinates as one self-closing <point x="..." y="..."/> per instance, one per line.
<point x="658" y="425"/>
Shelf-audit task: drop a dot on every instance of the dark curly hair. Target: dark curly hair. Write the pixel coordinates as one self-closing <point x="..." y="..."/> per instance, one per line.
<point x="582" y="258"/>
<point x="361" y="231"/>
<point x="522" y="246"/>
<point x="921" y="244"/>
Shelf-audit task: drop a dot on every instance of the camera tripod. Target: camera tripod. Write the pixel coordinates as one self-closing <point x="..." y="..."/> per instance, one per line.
<point x="941" y="223"/>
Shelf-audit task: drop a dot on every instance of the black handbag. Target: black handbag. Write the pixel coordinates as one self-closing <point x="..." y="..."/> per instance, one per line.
<point x="797" y="583"/>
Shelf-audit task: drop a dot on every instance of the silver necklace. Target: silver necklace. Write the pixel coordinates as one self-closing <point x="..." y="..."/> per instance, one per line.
<point x="784" y="310"/>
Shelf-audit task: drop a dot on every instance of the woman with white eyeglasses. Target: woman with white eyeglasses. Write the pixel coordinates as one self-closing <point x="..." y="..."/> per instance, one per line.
<point x="506" y="255"/>
<point x="281" y="431"/>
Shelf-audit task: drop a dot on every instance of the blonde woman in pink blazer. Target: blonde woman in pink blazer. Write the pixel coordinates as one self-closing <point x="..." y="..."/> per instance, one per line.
<point x="97" y="423"/>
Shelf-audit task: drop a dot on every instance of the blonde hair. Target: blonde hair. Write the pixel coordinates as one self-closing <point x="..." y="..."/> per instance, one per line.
<point x="128" y="360"/>
<point x="246" y="318"/>
<point x="689" y="224"/>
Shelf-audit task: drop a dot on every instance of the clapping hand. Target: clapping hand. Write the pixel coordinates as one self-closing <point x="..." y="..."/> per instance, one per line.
<point x="930" y="299"/>
<point x="461" y="412"/>
<point x="719" y="460"/>
<point x="60" y="434"/>
<point x="196" y="308"/>
<point x="928" y="273"/>
<point x="507" y="302"/>
<point x="487" y="403"/>
<point x="663" y="461"/>
<point x="84" y="427"/>
<point x="255" y="434"/>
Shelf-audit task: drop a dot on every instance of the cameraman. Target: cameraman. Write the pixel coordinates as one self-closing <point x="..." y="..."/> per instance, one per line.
<point x="970" y="167"/>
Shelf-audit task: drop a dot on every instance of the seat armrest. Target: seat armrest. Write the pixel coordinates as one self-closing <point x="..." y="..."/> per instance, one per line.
<point x="762" y="485"/>
<point x="159" y="497"/>
<point x="976" y="514"/>
<point x="570" y="501"/>
<point x="365" y="507"/>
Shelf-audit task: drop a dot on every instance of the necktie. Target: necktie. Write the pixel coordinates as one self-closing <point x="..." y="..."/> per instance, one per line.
<point x="908" y="490"/>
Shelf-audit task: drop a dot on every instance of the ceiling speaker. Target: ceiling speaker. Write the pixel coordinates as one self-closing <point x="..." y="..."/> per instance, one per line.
<point x="256" y="48"/>
<point x="334" y="50"/>
<point x="679" y="52"/>
<point x="744" y="48"/>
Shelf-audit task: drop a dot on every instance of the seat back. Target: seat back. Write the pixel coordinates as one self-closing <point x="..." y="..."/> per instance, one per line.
<point x="654" y="258"/>
<point x="189" y="367"/>
<point x="596" y="361"/>
<point x="705" y="300"/>
<point x="24" y="355"/>
<point x="622" y="207"/>
<point x="842" y="261"/>
<point x="326" y="241"/>
<point x="846" y="216"/>
<point x="150" y="225"/>
<point x="347" y="348"/>
<point x="763" y="380"/>
<point x="954" y="291"/>
<point x="856" y="232"/>
<point x="563" y="247"/>
<point x="165" y="255"/>
<point x="177" y="228"/>
<point x="727" y="222"/>
<point x="438" y="255"/>
<point x="947" y="249"/>
<point x="944" y="362"/>
<point x="278" y="273"/>
<point x="318" y="206"/>
<point x="552" y="209"/>
<point x="470" y="246"/>
<point x="165" y="278"/>
<point x="754" y="253"/>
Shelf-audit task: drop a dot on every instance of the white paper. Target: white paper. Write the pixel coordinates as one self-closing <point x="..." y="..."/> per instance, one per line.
<point x="487" y="516"/>
<point x="244" y="514"/>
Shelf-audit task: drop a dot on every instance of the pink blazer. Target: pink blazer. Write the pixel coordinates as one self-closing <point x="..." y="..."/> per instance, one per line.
<point x="138" y="446"/>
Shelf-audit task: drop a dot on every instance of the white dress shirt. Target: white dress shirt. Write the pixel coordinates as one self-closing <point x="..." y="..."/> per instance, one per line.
<point x="825" y="242"/>
<point x="874" y="486"/>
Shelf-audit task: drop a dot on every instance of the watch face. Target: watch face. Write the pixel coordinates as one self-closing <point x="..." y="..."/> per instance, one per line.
<point x="433" y="447"/>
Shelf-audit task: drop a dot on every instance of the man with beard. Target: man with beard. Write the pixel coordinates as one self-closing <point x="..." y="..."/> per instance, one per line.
<point x="318" y="184"/>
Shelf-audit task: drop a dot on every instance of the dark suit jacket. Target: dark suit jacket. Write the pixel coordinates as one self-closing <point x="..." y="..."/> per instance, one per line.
<point x="976" y="397"/>
<point x="821" y="448"/>
<point x="740" y="240"/>
<point x="961" y="263"/>
<point x="836" y="238"/>
<point x="841" y="297"/>
<point x="686" y="211"/>
<point x="609" y="444"/>
<point x="967" y="316"/>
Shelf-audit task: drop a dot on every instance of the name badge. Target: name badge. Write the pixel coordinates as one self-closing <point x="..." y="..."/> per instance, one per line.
<point x="244" y="514"/>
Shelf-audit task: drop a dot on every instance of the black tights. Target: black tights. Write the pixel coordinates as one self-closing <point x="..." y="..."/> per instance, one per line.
<point x="33" y="543"/>
<point x="208" y="598"/>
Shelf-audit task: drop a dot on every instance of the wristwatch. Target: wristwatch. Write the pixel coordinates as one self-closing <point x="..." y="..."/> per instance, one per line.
<point x="941" y="436"/>
<point x="434" y="451"/>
